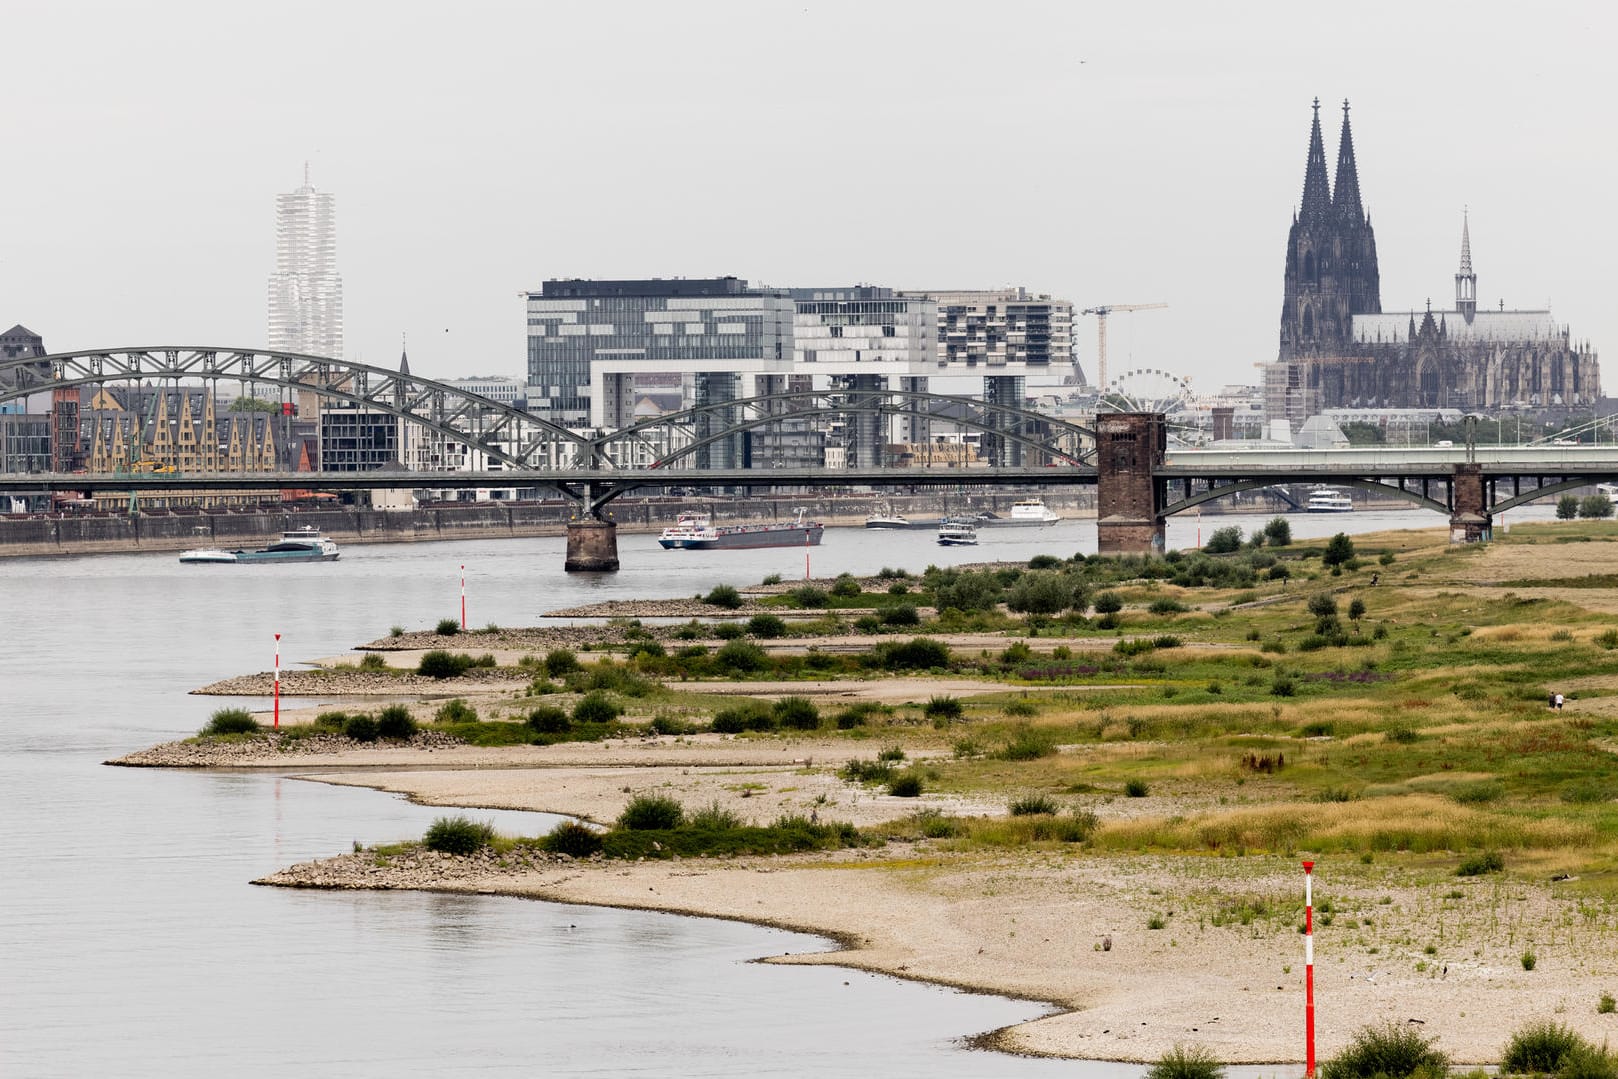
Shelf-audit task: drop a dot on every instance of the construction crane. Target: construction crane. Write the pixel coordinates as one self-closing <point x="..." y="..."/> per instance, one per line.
<point x="1101" y="312"/>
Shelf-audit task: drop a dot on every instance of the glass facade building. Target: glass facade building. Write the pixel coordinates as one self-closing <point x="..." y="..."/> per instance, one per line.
<point x="306" y="292"/>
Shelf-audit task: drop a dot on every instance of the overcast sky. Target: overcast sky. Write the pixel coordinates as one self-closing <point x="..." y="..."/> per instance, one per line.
<point x="1105" y="153"/>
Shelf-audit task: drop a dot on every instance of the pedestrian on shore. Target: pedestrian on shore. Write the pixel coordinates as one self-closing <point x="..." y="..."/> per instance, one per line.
<point x="1558" y="702"/>
<point x="1550" y="701"/>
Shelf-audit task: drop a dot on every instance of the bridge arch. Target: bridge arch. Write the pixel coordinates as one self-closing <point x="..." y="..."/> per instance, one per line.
<point x="1236" y="487"/>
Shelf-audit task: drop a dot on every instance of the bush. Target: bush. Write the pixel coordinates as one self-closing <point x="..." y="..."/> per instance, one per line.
<point x="458" y="835"/>
<point x="741" y="656"/>
<point x="441" y="664"/>
<point x="395" y="721"/>
<point x="573" y="839"/>
<point x="1226" y="540"/>
<point x="748" y="716"/>
<point x="797" y="713"/>
<point x="1389" y="1051"/>
<point x="456" y="711"/>
<point x="360" y="727"/>
<point x="942" y="707"/>
<point x="1022" y="708"/>
<point x="560" y="661"/>
<point x="1339" y="549"/>
<point x="1278" y="532"/>
<point x="651" y="812"/>
<point x="902" y="614"/>
<point x="845" y="586"/>
<point x="1539" y="1048"/>
<point x="231" y="721"/>
<point x="905" y="785"/>
<point x="1136" y="788"/>
<point x="1028" y="744"/>
<point x="728" y="631"/>
<point x="713" y="817"/>
<point x="596" y="707"/>
<point x="549" y="719"/>
<point x="723" y="595"/>
<point x="373" y="661"/>
<point x="809" y="596"/>
<point x="1040" y="593"/>
<point x="1108" y="603"/>
<point x="1596" y="507"/>
<point x="968" y="592"/>
<point x="766" y="627"/>
<point x="1032" y="805"/>
<point x="1322" y="605"/>
<point x="1279" y="572"/>
<point x="1181" y="1062"/>
<point x="1567" y="507"/>
<point x="1166" y="606"/>
<point x="917" y="654"/>
<point x="1476" y="865"/>
<point x="448" y="627"/>
<point x="857" y="715"/>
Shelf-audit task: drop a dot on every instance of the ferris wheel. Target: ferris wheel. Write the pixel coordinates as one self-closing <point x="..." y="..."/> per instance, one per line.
<point x="1149" y="389"/>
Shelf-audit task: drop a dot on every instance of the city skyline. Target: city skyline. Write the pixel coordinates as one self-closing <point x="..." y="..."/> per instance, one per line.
<point x="1103" y="157"/>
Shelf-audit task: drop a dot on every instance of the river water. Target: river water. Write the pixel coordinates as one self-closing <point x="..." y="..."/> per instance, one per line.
<point x="131" y="943"/>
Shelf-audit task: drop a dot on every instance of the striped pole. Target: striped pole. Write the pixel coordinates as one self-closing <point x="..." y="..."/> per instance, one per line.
<point x="1309" y="965"/>
<point x="463" y="597"/>
<point x="277" y="681"/>
<point x="806" y="555"/>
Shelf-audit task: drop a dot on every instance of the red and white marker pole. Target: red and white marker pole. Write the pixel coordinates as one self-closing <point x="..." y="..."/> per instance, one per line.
<point x="806" y="556"/>
<point x="277" y="681"/>
<point x="1309" y="966"/>
<point x="463" y="597"/>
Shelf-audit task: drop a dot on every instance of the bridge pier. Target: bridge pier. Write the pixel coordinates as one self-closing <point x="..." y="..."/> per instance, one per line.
<point x="1129" y="497"/>
<point x="1469" y="520"/>
<point x="592" y="546"/>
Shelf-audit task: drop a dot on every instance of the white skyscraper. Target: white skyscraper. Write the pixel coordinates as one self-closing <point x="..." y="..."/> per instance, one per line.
<point x="306" y="293"/>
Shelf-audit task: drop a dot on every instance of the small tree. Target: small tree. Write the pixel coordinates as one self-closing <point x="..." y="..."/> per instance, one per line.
<point x="1227" y="540"/>
<point x="1108" y="603"/>
<point x="1278" y="532"/>
<point x="1339" y="549"/>
<point x="1356" y="611"/>
<point x="1596" y="507"/>
<point x="1567" y="507"/>
<point x="1040" y="592"/>
<point x="560" y="661"/>
<point x="1321" y="605"/>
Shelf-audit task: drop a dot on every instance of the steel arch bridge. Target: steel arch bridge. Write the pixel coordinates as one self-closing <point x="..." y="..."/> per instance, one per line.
<point x="519" y="441"/>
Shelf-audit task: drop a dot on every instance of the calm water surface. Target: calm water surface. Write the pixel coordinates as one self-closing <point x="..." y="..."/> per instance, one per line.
<point x="131" y="943"/>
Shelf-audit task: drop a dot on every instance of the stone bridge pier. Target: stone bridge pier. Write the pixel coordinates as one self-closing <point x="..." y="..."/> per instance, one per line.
<point x="1469" y="519"/>
<point x="592" y="546"/>
<point x="1129" y="496"/>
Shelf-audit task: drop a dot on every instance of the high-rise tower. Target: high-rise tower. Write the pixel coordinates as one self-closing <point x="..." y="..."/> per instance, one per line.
<point x="306" y="292"/>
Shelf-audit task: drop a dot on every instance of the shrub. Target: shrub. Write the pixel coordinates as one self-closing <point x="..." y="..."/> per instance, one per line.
<point x="968" y="592"/>
<point x="1567" y="507"/>
<point x="373" y="661"/>
<point x="741" y="656"/>
<point x="458" y="835"/>
<point x="1283" y="687"/>
<point x="456" y="711"/>
<point x="766" y="626"/>
<point x="1475" y="865"/>
<point x="651" y="812"/>
<point x="728" y="631"/>
<point x="845" y="586"/>
<point x="1389" y="1051"/>
<point x="857" y="715"/>
<point x="942" y="707"/>
<point x="596" y="707"/>
<point x="360" y="727"/>
<point x="917" y="654"/>
<point x="1022" y="708"/>
<point x="773" y="578"/>
<point x="1136" y="788"/>
<point x="1596" y="507"/>
<point x="1322" y="605"/>
<point x="1040" y="593"/>
<point x="549" y="719"/>
<point x="713" y="817"/>
<point x="809" y="596"/>
<point x="560" y="661"/>
<point x="1182" y="1062"/>
<point x="1539" y="1048"/>
<point x="1607" y="639"/>
<point x="1108" y="603"/>
<point x="1607" y="1004"/>
<point x="905" y="785"/>
<point x="1028" y="744"/>
<point x="797" y="713"/>
<point x="902" y="614"/>
<point x="747" y="716"/>
<point x="396" y="631"/>
<point x="1165" y="605"/>
<point x="1226" y="540"/>
<point x="335" y="721"/>
<point x="1032" y="804"/>
<point x="441" y="664"/>
<point x="1529" y="959"/>
<point x="395" y="721"/>
<point x="231" y="721"/>
<point x="1339" y="549"/>
<point x="448" y="627"/>
<point x="723" y="595"/>
<point x="1279" y="572"/>
<point x="573" y="839"/>
<point x="1278" y="532"/>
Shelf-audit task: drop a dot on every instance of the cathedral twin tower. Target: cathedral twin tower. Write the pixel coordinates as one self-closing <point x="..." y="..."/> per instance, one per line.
<point x="1338" y="349"/>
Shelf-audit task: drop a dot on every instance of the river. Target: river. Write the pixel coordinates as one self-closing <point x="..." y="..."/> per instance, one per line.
<point x="133" y="944"/>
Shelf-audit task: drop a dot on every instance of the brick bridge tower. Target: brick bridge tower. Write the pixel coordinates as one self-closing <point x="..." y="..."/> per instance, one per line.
<point x="1129" y="497"/>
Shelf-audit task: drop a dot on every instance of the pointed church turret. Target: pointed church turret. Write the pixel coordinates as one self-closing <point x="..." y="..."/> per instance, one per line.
<point x="1466" y="282"/>
<point x="1345" y="197"/>
<point x="1316" y="204"/>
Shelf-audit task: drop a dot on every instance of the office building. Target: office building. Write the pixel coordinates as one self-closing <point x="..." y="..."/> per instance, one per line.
<point x="306" y="292"/>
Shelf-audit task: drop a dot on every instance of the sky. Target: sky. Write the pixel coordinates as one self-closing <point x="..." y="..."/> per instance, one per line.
<point x="1103" y="153"/>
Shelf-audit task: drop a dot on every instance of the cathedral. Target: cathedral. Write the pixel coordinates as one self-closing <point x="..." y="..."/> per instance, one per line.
<point x="1339" y="349"/>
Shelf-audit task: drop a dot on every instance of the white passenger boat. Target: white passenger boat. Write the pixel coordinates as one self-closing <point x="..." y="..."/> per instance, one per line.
<point x="1026" y="511"/>
<point x="955" y="532"/>
<point x="884" y="517"/>
<point x="1328" y="500"/>
<point x="304" y="544"/>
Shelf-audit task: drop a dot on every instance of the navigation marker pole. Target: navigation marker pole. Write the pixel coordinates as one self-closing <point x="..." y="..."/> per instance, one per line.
<point x="806" y="554"/>
<point x="277" y="681"/>
<point x="463" y="597"/>
<point x="1309" y="966"/>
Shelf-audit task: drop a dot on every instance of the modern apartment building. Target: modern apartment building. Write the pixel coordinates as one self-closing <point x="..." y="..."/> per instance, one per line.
<point x="306" y="292"/>
<point x="588" y="341"/>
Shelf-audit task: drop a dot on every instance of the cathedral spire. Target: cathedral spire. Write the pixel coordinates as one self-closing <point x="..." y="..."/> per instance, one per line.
<point x="1316" y="192"/>
<point x="1346" y="191"/>
<point x="1466" y="282"/>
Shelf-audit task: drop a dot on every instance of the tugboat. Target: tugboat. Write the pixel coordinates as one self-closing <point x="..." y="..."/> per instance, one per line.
<point x="304" y="544"/>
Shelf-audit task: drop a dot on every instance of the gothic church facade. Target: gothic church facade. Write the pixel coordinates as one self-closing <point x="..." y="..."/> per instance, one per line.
<point x="1339" y="349"/>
